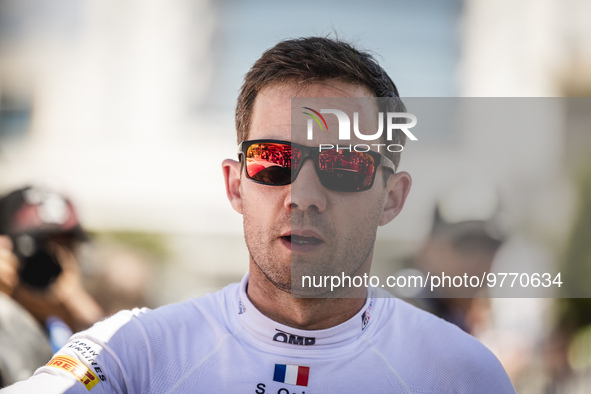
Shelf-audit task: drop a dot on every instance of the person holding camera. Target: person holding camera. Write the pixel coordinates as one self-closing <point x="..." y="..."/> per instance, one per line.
<point x="41" y="293"/>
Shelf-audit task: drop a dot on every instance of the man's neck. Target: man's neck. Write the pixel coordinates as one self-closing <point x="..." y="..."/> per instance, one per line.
<point x="301" y="313"/>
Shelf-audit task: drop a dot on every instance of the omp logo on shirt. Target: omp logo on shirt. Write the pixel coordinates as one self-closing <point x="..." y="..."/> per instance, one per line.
<point x="291" y="374"/>
<point x="76" y="368"/>
<point x="286" y="337"/>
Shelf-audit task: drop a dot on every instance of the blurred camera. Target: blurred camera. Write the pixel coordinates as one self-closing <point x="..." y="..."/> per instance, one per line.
<point x="33" y="217"/>
<point x="38" y="264"/>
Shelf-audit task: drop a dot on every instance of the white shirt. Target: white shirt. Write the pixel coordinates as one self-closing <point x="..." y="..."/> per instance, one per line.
<point x="221" y="343"/>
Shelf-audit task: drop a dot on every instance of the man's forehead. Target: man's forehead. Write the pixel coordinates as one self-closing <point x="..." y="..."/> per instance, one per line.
<point x="274" y="114"/>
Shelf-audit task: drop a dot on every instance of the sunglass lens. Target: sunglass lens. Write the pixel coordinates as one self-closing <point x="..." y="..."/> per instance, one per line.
<point x="269" y="163"/>
<point x="342" y="170"/>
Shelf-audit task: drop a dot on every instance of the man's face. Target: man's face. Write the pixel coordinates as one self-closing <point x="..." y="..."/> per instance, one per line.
<point x="318" y="231"/>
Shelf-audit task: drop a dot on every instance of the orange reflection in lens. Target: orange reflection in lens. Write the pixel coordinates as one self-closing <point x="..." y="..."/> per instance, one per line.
<point x="267" y="155"/>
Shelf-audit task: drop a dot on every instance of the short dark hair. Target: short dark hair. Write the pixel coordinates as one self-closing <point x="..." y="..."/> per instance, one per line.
<point x="309" y="60"/>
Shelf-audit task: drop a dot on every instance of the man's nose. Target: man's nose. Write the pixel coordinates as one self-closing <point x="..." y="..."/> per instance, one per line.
<point x="306" y="192"/>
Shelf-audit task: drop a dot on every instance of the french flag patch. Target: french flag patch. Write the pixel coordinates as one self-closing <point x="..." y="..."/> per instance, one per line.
<point x="291" y="374"/>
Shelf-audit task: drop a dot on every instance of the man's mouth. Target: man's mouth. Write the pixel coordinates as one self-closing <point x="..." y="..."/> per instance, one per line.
<point x="301" y="239"/>
<point x="302" y="242"/>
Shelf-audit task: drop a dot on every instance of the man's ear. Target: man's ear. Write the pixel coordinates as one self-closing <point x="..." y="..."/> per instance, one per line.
<point x="231" y="170"/>
<point x="397" y="189"/>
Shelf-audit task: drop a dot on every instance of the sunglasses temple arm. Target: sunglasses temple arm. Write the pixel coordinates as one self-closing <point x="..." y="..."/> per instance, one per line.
<point x="386" y="162"/>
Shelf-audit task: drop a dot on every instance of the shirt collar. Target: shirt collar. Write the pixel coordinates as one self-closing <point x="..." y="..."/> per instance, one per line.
<point x="273" y="333"/>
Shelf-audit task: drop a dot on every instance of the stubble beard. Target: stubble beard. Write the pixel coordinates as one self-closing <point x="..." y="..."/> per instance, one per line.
<point x="343" y="256"/>
<point x="264" y="247"/>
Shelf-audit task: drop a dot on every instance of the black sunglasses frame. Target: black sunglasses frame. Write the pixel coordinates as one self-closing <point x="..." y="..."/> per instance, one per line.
<point x="312" y="153"/>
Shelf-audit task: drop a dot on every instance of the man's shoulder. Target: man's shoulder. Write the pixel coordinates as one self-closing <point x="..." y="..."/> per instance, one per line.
<point x="435" y="350"/>
<point x="424" y="327"/>
<point x="136" y="348"/>
<point x="194" y="314"/>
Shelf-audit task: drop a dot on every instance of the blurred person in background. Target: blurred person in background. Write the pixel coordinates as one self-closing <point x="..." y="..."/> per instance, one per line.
<point x="458" y="247"/>
<point x="41" y="293"/>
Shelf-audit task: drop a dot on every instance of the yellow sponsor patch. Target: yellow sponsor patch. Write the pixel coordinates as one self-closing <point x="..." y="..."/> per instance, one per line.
<point x="76" y="368"/>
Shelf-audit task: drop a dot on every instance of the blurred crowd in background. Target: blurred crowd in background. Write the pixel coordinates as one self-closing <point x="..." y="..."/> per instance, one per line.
<point x="115" y="116"/>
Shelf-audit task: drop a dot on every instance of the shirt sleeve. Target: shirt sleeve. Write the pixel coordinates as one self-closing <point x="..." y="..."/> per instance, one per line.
<point x="89" y="363"/>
